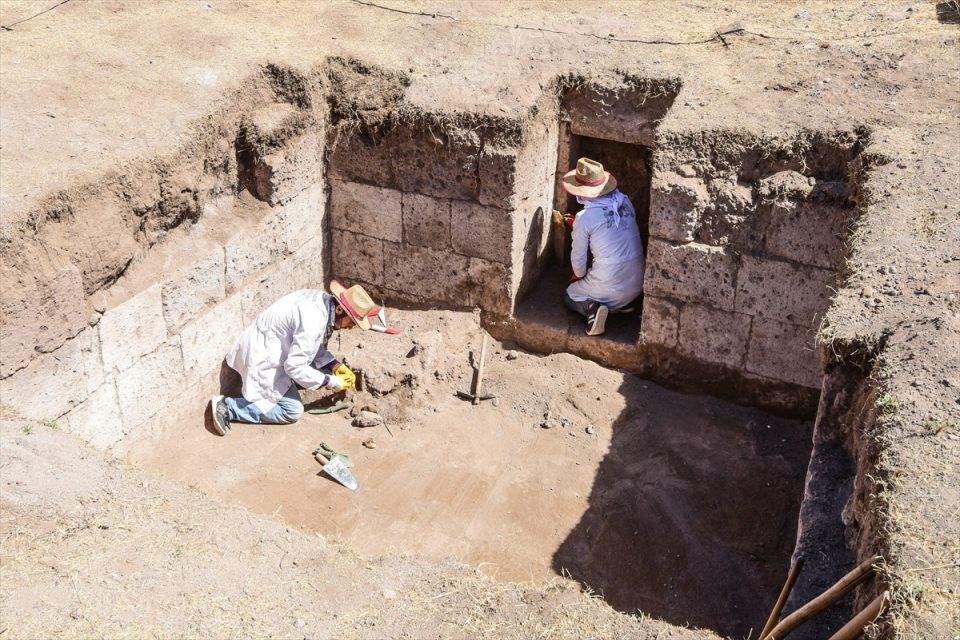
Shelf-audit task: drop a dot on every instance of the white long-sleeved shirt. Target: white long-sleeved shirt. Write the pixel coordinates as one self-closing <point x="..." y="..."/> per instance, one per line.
<point x="616" y="276"/>
<point x="286" y="344"/>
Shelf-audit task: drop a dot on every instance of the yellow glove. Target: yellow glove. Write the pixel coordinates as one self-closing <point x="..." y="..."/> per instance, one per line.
<point x="347" y="377"/>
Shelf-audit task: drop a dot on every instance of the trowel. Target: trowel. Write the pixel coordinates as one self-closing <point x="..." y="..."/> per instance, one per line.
<point x="338" y="470"/>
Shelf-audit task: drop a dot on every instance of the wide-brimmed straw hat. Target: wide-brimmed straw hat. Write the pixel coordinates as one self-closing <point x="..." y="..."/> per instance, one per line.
<point x="356" y="302"/>
<point x="588" y="180"/>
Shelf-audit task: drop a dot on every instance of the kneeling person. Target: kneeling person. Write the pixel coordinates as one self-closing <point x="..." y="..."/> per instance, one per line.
<point x="607" y="229"/>
<point x="286" y="347"/>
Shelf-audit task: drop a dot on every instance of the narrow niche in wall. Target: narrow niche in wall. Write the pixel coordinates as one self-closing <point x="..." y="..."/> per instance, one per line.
<point x="630" y="165"/>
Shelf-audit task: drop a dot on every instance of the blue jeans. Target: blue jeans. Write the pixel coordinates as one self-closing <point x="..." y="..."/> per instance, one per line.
<point x="583" y="308"/>
<point x="287" y="411"/>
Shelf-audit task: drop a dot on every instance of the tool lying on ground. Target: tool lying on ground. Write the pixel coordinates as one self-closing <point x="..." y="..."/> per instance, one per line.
<point x="476" y="394"/>
<point x="340" y="406"/>
<point x="382" y="327"/>
<point x="336" y="465"/>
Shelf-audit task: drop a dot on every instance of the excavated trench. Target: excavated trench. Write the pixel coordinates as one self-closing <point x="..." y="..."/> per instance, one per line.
<point x="684" y="504"/>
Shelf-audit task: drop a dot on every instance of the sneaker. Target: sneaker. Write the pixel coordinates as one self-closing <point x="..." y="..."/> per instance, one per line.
<point x="221" y="417"/>
<point x="597" y="321"/>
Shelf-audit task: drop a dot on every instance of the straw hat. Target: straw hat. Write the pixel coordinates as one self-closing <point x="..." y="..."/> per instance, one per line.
<point x="356" y="302"/>
<point x="588" y="180"/>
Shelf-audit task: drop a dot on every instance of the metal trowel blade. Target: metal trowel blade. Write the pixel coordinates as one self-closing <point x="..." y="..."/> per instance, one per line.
<point x="338" y="470"/>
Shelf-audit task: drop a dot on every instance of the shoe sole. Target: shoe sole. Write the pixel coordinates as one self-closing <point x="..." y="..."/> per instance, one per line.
<point x="599" y="323"/>
<point x="219" y="428"/>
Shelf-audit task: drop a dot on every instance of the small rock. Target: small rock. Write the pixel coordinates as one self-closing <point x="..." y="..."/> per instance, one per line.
<point x="546" y="424"/>
<point x="687" y="171"/>
<point x="512" y="355"/>
<point x="369" y="443"/>
<point x="368" y="419"/>
<point x="496" y="401"/>
<point x="415" y="350"/>
<point x="867" y="292"/>
<point x="299" y="623"/>
<point x="590" y="429"/>
<point x="389" y="594"/>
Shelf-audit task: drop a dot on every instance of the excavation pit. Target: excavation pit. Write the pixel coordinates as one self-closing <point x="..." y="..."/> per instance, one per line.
<point x="682" y="506"/>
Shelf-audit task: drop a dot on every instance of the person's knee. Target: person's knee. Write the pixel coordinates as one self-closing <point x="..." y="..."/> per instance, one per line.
<point x="290" y="411"/>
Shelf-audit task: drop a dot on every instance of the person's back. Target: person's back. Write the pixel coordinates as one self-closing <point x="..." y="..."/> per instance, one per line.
<point x="606" y="231"/>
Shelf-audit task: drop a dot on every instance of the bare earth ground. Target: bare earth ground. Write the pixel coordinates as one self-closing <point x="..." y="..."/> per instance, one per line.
<point x="91" y="85"/>
<point x="667" y="524"/>
<point x="93" y="548"/>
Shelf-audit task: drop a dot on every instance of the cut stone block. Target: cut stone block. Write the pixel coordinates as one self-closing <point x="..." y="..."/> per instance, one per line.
<point x="490" y="286"/>
<point x="784" y="352"/>
<point x="307" y="268"/>
<point x="413" y="159"/>
<point x="372" y="211"/>
<point x="132" y="328"/>
<point x="498" y="170"/>
<point x="813" y="234"/>
<point x="298" y="220"/>
<point x="358" y="257"/>
<point x="711" y="335"/>
<point x="55" y="382"/>
<point x="481" y="232"/>
<point x="426" y="221"/>
<point x="153" y="382"/>
<point x="288" y="171"/>
<point x="783" y="291"/>
<point x="97" y="420"/>
<point x="675" y="206"/>
<point x="661" y="321"/>
<point x="427" y="273"/>
<point x="193" y="289"/>
<point x="205" y="341"/>
<point x="693" y="272"/>
<point x="247" y="253"/>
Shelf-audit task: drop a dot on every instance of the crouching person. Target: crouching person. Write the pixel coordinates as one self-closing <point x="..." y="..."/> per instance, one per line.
<point x="287" y="346"/>
<point x="605" y="229"/>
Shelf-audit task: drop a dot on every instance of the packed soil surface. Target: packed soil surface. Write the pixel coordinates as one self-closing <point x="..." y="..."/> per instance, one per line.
<point x="93" y="548"/>
<point x="650" y="497"/>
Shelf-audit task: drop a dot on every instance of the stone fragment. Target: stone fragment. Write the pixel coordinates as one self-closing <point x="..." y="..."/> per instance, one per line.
<point x="151" y="384"/>
<point x="97" y="420"/>
<point x="368" y="419"/>
<point x="713" y="336"/>
<point x="783" y="291"/>
<point x="132" y="328"/>
<point x="784" y="185"/>
<point x="481" y="232"/>
<point x="660" y="322"/>
<point x="372" y="211"/>
<point x="192" y="289"/>
<point x="426" y="221"/>
<point x="784" y="352"/>
<point x="205" y="341"/>
<point x="358" y="257"/>
<point x="498" y="169"/>
<point x="694" y="272"/>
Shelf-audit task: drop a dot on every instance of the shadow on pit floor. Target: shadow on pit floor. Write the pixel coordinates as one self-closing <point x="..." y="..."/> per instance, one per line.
<point x="692" y="518"/>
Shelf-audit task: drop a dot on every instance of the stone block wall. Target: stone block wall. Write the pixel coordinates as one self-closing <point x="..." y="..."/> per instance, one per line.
<point x="447" y="215"/>
<point x="164" y="327"/>
<point x="741" y="267"/>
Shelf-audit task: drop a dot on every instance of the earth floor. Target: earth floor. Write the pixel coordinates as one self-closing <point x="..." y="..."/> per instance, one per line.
<point x="630" y="490"/>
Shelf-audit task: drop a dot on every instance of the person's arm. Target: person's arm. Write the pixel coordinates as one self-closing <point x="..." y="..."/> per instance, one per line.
<point x="303" y="351"/>
<point x="580" y="247"/>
